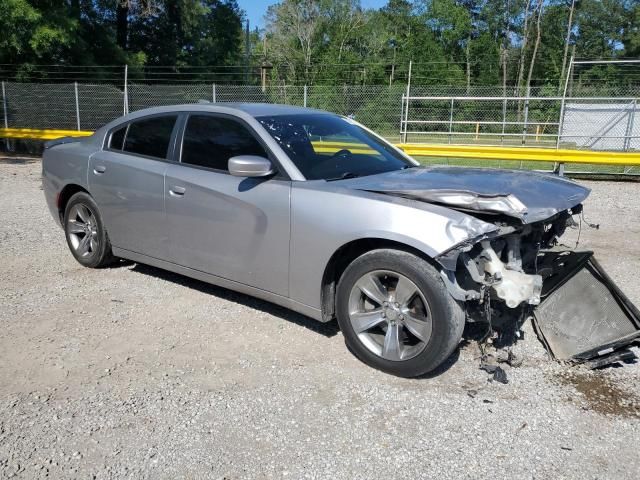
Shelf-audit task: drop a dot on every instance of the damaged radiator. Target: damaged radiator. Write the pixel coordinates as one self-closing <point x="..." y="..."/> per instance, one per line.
<point x="583" y="316"/>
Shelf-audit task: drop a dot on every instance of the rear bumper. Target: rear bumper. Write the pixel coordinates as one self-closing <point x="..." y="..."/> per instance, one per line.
<point x="51" y="193"/>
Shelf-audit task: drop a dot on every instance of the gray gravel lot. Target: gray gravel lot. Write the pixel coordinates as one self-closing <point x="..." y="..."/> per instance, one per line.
<point x="135" y="372"/>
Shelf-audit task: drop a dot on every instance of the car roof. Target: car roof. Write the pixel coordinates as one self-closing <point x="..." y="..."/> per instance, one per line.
<point x="252" y="109"/>
<point x="263" y="109"/>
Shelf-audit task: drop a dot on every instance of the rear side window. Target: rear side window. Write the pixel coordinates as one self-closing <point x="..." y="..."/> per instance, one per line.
<point x="211" y="141"/>
<point x="150" y="136"/>
<point x="117" y="138"/>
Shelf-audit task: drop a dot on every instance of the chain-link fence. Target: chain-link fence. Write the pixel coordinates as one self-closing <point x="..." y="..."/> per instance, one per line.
<point x="88" y="106"/>
<point x="434" y="114"/>
<point x="590" y="123"/>
<point x="596" y="123"/>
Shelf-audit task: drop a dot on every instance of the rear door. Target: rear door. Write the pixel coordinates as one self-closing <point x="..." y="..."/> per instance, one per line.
<point x="126" y="179"/>
<point x="235" y="228"/>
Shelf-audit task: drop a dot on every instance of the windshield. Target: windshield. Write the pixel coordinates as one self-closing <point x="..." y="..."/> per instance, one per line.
<point x="329" y="147"/>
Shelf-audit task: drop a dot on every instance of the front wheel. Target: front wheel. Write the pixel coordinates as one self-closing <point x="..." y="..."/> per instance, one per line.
<point x="396" y="314"/>
<point x="86" y="236"/>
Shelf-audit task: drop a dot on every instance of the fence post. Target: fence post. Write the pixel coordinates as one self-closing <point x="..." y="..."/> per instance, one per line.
<point x="304" y="101"/>
<point x="4" y="106"/>
<point x="125" y="107"/>
<point x="628" y="134"/>
<point x="526" y="116"/>
<point x="560" y="122"/>
<point x="75" y="88"/>
<point x="406" y="119"/>
<point x="562" y="103"/>
<point x="451" y="120"/>
<point x="504" y="118"/>
<point x="213" y="92"/>
<point x="406" y="108"/>
<point x="560" y="170"/>
<point x="402" y="117"/>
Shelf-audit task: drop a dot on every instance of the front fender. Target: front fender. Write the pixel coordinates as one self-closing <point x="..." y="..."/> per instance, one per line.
<point x="324" y="218"/>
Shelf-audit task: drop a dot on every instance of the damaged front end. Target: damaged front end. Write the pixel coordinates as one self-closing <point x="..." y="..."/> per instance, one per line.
<point x="515" y="270"/>
<point x="579" y="313"/>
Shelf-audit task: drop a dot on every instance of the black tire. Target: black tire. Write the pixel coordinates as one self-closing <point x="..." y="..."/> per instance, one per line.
<point x="447" y="315"/>
<point x="97" y="257"/>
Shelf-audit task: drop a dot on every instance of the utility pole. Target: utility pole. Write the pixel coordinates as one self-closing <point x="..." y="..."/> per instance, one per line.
<point x="566" y="43"/>
<point x="562" y="103"/>
<point x="247" y="46"/>
<point x="393" y="63"/>
<point x="264" y="72"/>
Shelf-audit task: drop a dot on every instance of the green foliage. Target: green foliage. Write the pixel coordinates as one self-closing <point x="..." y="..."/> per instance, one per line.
<point x="461" y="43"/>
<point x="32" y="33"/>
<point x="155" y="32"/>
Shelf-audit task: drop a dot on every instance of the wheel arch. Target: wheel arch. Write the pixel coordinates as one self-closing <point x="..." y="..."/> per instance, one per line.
<point x="346" y="254"/>
<point x="65" y="195"/>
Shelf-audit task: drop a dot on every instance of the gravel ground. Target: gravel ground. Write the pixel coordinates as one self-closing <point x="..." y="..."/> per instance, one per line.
<point x="135" y="372"/>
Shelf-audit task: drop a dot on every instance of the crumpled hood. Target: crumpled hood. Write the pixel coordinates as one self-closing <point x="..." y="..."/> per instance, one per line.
<point x="526" y="195"/>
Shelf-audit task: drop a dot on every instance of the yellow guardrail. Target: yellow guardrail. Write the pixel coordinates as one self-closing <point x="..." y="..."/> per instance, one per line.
<point x="37" y="134"/>
<point x="483" y="152"/>
<point x="486" y="152"/>
<point x="477" y="152"/>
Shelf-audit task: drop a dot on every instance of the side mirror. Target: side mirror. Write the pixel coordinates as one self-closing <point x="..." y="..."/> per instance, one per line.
<point x="250" y="166"/>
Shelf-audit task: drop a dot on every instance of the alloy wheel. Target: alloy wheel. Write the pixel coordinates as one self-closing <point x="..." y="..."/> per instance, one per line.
<point x="390" y="315"/>
<point x="82" y="229"/>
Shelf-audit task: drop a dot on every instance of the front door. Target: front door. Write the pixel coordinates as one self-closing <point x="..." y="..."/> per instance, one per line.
<point x="232" y="227"/>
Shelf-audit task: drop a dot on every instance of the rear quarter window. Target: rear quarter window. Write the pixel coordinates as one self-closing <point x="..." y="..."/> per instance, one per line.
<point x="117" y="138"/>
<point x="150" y="136"/>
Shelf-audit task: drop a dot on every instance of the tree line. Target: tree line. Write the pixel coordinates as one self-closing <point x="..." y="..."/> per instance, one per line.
<point x="449" y="42"/>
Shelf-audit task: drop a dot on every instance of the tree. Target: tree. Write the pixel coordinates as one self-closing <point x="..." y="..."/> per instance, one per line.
<point x="565" y="52"/>
<point x="293" y="27"/>
<point x="450" y="42"/>
<point x="631" y="31"/>
<point x="523" y="47"/>
<point x="536" y="45"/>
<point x="31" y="33"/>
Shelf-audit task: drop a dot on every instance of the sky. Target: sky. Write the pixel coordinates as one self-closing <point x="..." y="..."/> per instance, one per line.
<point x="256" y="9"/>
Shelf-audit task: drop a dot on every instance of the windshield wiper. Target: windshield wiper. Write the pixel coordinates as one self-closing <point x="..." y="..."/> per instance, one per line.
<point x="344" y="176"/>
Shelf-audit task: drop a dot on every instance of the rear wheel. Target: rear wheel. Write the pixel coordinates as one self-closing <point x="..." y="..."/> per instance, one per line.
<point x="85" y="232"/>
<point x="396" y="314"/>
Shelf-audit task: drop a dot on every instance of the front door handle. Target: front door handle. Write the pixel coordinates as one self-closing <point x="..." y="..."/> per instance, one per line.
<point x="177" y="191"/>
<point x="99" y="169"/>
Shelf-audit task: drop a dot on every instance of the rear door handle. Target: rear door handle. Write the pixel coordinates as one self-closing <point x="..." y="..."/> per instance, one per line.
<point x="99" y="169"/>
<point x="177" y="191"/>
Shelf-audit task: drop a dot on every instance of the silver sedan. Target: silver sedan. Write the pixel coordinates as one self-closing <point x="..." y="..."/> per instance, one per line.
<point x="315" y="212"/>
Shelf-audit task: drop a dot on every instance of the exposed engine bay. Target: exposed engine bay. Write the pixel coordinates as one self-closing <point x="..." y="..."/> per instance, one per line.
<point x="579" y="313"/>
<point x="505" y="265"/>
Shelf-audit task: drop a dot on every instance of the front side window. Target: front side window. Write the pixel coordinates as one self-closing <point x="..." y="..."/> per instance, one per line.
<point x="211" y="141"/>
<point x="330" y="147"/>
<point x="150" y="136"/>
